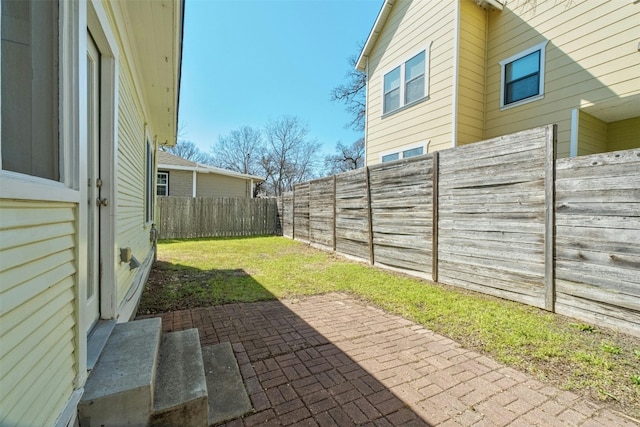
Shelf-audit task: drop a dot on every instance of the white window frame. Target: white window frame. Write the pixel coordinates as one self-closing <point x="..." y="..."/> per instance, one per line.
<point x="401" y="150"/>
<point x="541" y="47"/>
<point x="165" y="186"/>
<point x="403" y="83"/>
<point x="150" y="180"/>
<point x="19" y="186"/>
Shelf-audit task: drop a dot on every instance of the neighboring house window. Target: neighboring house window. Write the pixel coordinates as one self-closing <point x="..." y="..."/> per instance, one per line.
<point x="406" y="84"/>
<point x="150" y="166"/>
<point x="30" y="88"/>
<point x="523" y="77"/>
<point x="162" y="186"/>
<point x="403" y="154"/>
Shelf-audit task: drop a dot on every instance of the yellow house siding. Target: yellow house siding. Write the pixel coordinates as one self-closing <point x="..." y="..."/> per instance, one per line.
<point x="624" y="134"/>
<point x="411" y="27"/>
<point x="37" y="310"/>
<point x="213" y="185"/>
<point x="592" y="135"/>
<point x="471" y="74"/>
<point x="591" y="59"/>
<point x="181" y="183"/>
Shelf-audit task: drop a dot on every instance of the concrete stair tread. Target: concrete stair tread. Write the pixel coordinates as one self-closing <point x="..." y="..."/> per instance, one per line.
<point x="121" y="383"/>
<point x="181" y="390"/>
<point x="228" y="398"/>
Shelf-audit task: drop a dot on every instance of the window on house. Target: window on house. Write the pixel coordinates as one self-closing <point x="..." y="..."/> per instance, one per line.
<point x="162" y="185"/>
<point x="523" y="77"/>
<point x="406" y="83"/>
<point x="150" y="167"/>
<point x="30" y="97"/>
<point x="403" y="154"/>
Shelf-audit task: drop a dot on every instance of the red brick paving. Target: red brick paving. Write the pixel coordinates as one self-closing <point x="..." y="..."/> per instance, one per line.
<point x="332" y="361"/>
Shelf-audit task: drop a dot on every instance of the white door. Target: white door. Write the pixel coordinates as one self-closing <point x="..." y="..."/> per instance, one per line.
<point x="94" y="183"/>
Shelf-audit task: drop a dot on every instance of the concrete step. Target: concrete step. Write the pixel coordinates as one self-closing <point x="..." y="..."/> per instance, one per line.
<point x="181" y="390"/>
<point x="120" y="389"/>
<point x="228" y="397"/>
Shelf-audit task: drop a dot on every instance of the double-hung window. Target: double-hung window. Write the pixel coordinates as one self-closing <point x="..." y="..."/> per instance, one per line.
<point x="406" y="84"/>
<point x="162" y="185"/>
<point x="523" y="77"/>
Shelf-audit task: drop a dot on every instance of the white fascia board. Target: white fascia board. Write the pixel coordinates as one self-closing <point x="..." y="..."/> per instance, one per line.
<point x="385" y="10"/>
<point x="209" y="169"/>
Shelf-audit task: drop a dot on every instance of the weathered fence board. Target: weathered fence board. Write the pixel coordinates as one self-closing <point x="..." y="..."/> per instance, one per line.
<point x="352" y="225"/>
<point x="191" y="217"/>
<point x="598" y="238"/>
<point x="501" y="217"/>
<point x="287" y="214"/>
<point x="321" y="211"/>
<point x="301" y="211"/>
<point x="492" y="169"/>
<point x="401" y="207"/>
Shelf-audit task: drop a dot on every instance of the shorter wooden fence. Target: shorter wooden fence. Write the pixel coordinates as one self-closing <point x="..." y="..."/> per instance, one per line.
<point x="191" y="217"/>
<point x="501" y="217"/>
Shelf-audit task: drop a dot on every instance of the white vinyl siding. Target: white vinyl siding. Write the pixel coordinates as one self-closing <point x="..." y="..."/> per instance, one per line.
<point x="37" y="310"/>
<point x="412" y="27"/>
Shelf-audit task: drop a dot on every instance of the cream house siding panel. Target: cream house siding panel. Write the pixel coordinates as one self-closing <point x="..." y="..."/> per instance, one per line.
<point x="214" y="185"/>
<point x="37" y="310"/>
<point x="181" y="183"/>
<point x="592" y="135"/>
<point x="131" y="230"/>
<point x="410" y="27"/>
<point x="471" y="75"/>
<point x="624" y="134"/>
<point x="591" y="59"/>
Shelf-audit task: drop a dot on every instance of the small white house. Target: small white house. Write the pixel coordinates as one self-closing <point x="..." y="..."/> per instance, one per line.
<point x="89" y="91"/>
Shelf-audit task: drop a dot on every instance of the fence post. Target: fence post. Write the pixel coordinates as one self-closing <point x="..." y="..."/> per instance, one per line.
<point x="435" y="173"/>
<point x="334" y="213"/>
<point x="369" y="216"/>
<point x="549" y="220"/>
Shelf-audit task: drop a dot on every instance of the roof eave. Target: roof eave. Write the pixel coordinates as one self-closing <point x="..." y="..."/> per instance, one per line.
<point x="385" y="10"/>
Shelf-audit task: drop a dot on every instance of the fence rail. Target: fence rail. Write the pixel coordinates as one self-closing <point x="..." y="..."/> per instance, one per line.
<point x="501" y="217"/>
<point x="190" y="217"/>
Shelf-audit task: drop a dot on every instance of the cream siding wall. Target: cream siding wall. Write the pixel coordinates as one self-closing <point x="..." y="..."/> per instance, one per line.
<point x="181" y="183"/>
<point x="37" y="310"/>
<point x="592" y="135"/>
<point x="131" y="229"/>
<point x="623" y="134"/>
<point x="410" y="27"/>
<point x="591" y="58"/>
<point x="471" y="74"/>
<point x="213" y="185"/>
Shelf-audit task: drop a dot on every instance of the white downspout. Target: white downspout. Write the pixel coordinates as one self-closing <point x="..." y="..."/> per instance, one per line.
<point x="194" y="184"/>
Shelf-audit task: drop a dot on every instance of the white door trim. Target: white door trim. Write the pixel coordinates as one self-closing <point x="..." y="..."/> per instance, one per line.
<point x="100" y="29"/>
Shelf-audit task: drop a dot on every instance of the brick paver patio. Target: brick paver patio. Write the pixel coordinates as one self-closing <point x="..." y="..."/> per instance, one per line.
<point x="331" y="360"/>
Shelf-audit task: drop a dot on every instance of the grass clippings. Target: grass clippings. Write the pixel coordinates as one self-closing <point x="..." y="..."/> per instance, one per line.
<point x="587" y="359"/>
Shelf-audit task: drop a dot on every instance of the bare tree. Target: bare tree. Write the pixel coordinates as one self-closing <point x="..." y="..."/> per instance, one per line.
<point x="348" y="157"/>
<point x="352" y="93"/>
<point x="289" y="157"/>
<point x="239" y="151"/>
<point x="187" y="150"/>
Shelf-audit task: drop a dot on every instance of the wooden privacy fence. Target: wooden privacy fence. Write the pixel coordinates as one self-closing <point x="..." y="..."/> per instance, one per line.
<point x="501" y="217"/>
<point x="189" y="217"/>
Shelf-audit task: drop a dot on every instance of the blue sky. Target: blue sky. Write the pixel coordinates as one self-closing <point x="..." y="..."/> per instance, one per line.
<point x="245" y="62"/>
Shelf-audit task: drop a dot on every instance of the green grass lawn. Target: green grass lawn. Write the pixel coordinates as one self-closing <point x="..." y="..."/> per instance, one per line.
<point x="565" y="352"/>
